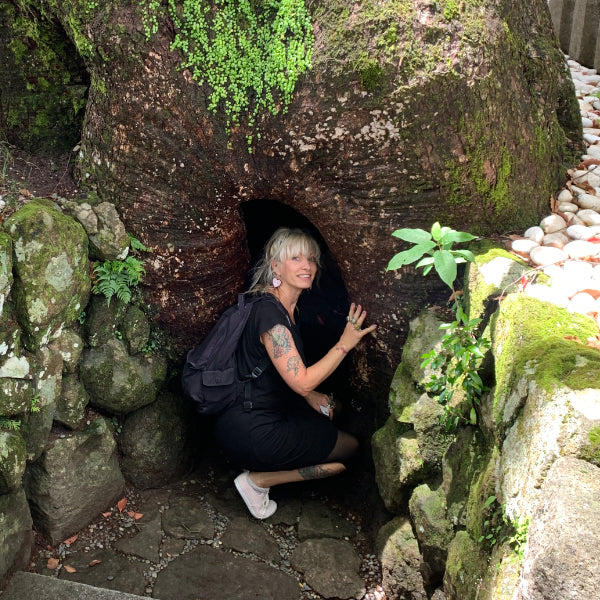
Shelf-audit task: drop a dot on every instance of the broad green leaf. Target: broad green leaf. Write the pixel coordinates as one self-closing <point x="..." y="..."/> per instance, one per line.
<point x="490" y="500"/>
<point x="450" y="236"/>
<point x="427" y="260"/>
<point x="466" y="254"/>
<point x="410" y="256"/>
<point x="416" y="236"/>
<point x="445" y="266"/>
<point x="473" y="416"/>
<point x="436" y="232"/>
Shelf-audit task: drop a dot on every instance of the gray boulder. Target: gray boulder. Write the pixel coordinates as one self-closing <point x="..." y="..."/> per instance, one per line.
<point x="111" y="241"/>
<point x="70" y="406"/>
<point x="398" y="551"/>
<point x="119" y="383"/>
<point x="433" y="529"/>
<point x="136" y="329"/>
<point x="12" y="460"/>
<point x="16" y="536"/>
<point x="330" y="567"/>
<point x="153" y="443"/>
<point x="6" y="276"/>
<point x="103" y="320"/>
<point x="70" y="346"/>
<point x="75" y="479"/>
<point x="37" y="422"/>
<point x="52" y="282"/>
<point x="561" y="559"/>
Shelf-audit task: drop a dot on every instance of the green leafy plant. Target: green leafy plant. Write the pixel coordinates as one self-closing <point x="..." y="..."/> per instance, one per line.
<point x="34" y="405"/>
<point x="462" y="351"/>
<point x="499" y="529"/>
<point x="10" y="424"/>
<point x="249" y="53"/>
<point x="117" y="277"/>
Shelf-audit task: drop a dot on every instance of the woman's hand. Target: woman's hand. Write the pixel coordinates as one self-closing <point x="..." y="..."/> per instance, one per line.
<point x="320" y="401"/>
<point x="353" y="332"/>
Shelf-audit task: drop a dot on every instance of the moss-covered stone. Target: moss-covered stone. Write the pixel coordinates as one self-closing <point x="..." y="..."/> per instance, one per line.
<point x="433" y="529"/>
<point x="16" y="535"/>
<point x="37" y="421"/>
<point x="545" y="341"/>
<point x="70" y="346"/>
<point x="15" y="396"/>
<point x="103" y="320"/>
<point x="403" y="395"/>
<point x="6" y="276"/>
<point x="12" y="460"/>
<point x="136" y="329"/>
<point x="465" y="566"/>
<point x="154" y="442"/>
<point x="482" y="488"/>
<point x="496" y="272"/>
<point x="70" y="405"/>
<point x="52" y="282"/>
<point x="119" y="383"/>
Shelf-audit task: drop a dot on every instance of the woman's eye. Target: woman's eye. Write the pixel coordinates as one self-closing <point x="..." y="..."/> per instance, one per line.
<point x="313" y="259"/>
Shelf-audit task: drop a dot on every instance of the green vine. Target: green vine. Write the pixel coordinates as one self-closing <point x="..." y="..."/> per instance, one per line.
<point x="249" y="52"/>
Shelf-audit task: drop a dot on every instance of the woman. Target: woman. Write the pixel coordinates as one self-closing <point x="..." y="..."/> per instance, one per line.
<point x="287" y="434"/>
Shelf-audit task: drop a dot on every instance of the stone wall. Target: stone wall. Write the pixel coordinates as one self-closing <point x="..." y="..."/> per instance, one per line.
<point x="577" y="24"/>
<point x="508" y="508"/>
<point x="81" y="406"/>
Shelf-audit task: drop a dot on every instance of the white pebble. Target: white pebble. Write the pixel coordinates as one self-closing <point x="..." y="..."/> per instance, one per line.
<point x="567" y="207"/>
<point x="547" y="294"/>
<point x="579" y="232"/>
<point x="556" y="240"/>
<point x="546" y="255"/>
<point x="582" y="303"/>
<point x="576" y="269"/>
<point x="587" y="122"/>
<point x="590" y="138"/>
<point x="553" y="223"/>
<point x="523" y="247"/>
<point x="589" y="201"/>
<point x="580" y="249"/>
<point x="565" y="196"/>
<point x="535" y="234"/>
<point x="589" y="216"/>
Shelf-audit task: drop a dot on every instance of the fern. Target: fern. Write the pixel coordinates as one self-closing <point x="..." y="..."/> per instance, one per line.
<point x="117" y="277"/>
<point x="137" y="245"/>
<point x="10" y="424"/>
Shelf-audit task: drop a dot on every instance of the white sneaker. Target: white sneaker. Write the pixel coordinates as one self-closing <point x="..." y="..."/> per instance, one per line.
<point x="256" y="499"/>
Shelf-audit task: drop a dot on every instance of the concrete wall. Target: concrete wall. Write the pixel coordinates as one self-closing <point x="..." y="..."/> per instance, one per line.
<point x="576" y="23"/>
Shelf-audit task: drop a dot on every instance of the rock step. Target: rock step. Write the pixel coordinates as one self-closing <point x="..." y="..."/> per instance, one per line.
<point x="29" y="586"/>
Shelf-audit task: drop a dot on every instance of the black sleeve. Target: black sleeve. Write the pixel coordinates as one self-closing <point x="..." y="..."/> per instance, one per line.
<point x="267" y="315"/>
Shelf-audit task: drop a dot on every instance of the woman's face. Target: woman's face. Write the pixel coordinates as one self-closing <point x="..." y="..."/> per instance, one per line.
<point x="298" y="271"/>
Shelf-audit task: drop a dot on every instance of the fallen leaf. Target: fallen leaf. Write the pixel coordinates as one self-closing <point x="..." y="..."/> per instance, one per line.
<point x="94" y="563"/>
<point x="106" y="514"/>
<point x="69" y="569"/>
<point x="594" y="342"/>
<point x="587" y="163"/>
<point x="138" y="516"/>
<point x="121" y="504"/>
<point x="25" y="193"/>
<point x="572" y="337"/>
<point x="71" y="540"/>
<point x="52" y="563"/>
<point x="523" y="283"/>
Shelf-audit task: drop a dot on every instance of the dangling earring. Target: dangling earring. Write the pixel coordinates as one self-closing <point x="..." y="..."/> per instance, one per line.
<point x="276" y="282"/>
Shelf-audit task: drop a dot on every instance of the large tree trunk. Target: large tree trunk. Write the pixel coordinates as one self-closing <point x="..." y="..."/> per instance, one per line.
<point x="411" y="114"/>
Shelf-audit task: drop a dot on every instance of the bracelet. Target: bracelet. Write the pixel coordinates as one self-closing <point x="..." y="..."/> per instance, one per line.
<point x="342" y="349"/>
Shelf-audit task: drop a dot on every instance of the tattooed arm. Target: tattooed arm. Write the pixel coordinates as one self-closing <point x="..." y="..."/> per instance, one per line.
<point x="303" y="380"/>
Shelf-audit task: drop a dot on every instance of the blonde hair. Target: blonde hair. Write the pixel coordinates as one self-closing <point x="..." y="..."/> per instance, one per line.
<point x="283" y="244"/>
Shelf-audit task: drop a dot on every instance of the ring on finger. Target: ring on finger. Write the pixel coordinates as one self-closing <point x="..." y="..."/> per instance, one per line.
<point x="356" y="326"/>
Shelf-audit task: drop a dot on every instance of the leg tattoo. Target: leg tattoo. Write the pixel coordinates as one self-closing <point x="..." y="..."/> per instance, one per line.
<point x="314" y="472"/>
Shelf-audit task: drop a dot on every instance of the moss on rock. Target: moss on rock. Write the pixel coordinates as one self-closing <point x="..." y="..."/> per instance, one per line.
<point x="544" y="340"/>
<point x="52" y="283"/>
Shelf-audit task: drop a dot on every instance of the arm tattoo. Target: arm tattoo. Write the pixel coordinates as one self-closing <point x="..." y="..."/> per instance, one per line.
<point x="293" y="364"/>
<point x="280" y="338"/>
<point x="313" y="472"/>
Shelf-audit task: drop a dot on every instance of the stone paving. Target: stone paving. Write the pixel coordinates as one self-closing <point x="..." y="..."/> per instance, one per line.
<point x="196" y="539"/>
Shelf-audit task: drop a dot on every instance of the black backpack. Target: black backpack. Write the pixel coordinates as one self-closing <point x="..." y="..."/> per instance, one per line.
<point x="210" y="376"/>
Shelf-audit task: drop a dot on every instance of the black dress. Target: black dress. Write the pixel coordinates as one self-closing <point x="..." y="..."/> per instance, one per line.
<point x="281" y="431"/>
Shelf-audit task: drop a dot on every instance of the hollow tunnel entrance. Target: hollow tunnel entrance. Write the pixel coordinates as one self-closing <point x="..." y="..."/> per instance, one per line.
<point x="321" y="311"/>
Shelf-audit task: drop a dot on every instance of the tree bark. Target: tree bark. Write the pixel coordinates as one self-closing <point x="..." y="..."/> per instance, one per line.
<point x="463" y="114"/>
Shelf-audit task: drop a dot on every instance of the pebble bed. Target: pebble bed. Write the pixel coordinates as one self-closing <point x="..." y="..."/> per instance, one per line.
<point x="565" y="245"/>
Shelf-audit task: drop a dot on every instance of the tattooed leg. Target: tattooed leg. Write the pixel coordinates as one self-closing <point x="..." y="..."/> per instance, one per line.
<point x="321" y="471"/>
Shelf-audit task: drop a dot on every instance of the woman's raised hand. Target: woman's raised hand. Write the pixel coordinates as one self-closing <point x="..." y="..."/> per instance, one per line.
<point x="353" y="332"/>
